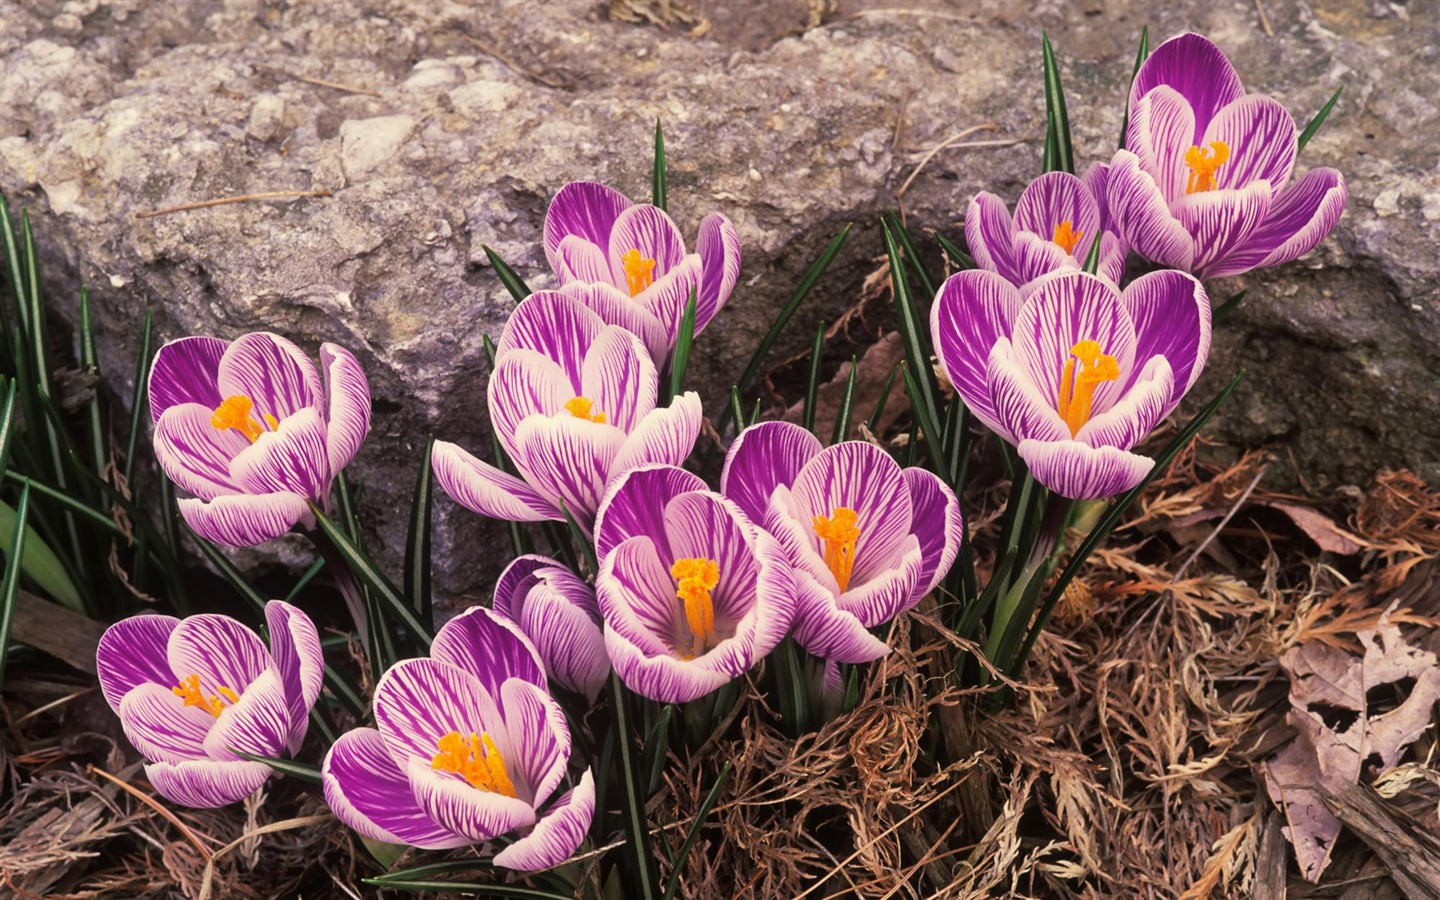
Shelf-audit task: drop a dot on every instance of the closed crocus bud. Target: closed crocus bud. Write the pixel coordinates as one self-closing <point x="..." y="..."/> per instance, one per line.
<point x="557" y="611"/>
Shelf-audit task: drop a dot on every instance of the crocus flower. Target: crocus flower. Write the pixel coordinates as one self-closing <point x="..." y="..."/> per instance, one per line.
<point x="572" y="401"/>
<point x="470" y="746"/>
<point x="557" y="612"/>
<point x="867" y="538"/>
<point x="249" y="428"/>
<point x="1057" y="221"/>
<point x="1077" y="373"/>
<point x="1201" y="185"/>
<point x="191" y="691"/>
<point x="692" y="592"/>
<point x="632" y="253"/>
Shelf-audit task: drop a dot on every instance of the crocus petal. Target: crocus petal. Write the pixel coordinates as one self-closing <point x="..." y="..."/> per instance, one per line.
<point x="484" y="489"/>
<point x="558" y="833"/>
<point x="133" y="652"/>
<point x="185" y="371"/>
<point x="464" y="810"/>
<point x="419" y="701"/>
<point x="862" y="477"/>
<point x="1097" y="181"/>
<point x="661" y="677"/>
<point x="1194" y="67"/>
<point x="1036" y="257"/>
<point x="555" y="325"/>
<point x="369" y="793"/>
<point x="291" y="458"/>
<point x="274" y="373"/>
<point x="1143" y="217"/>
<point x="614" y="307"/>
<point x="1299" y="218"/>
<point x="637" y="599"/>
<point x="490" y="647"/>
<point x="1222" y="220"/>
<point x="972" y="311"/>
<point x="295" y="648"/>
<point x="526" y="383"/>
<point x="195" y="454"/>
<point x="989" y="235"/>
<point x="664" y="437"/>
<point x="1112" y="257"/>
<point x="558" y="612"/>
<point x="888" y="591"/>
<point x="635" y="504"/>
<point x="348" y="420"/>
<point x="161" y="727"/>
<point x="1171" y="312"/>
<point x="526" y="572"/>
<point x="1024" y="411"/>
<point x="206" y="783"/>
<point x="789" y="525"/>
<point x="569" y="458"/>
<point x="719" y="248"/>
<point x="584" y="209"/>
<point x="259" y="724"/>
<point x="1260" y="134"/>
<point x="828" y="631"/>
<point x="1160" y="134"/>
<point x="577" y="261"/>
<point x="1062" y="312"/>
<point x="667" y="298"/>
<point x="1081" y="472"/>
<point x="704" y="525"/>
<point x="764" y="456"/>
<point x="937" y="523"/>
<point x="1134" y="415"/>
<point x="218" y="649"/>
<point x="649" y="230"/>
<point x="619" y="378"/>
<point x="242" y="520"/>
<point x="539" y="739"/>
<point x="1057" y="197"/>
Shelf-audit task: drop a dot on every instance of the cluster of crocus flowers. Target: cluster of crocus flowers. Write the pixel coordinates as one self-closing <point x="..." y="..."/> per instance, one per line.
<point x="253" y="431"/>
<point x="469" y="746"/>
<point x="192" y="693"/>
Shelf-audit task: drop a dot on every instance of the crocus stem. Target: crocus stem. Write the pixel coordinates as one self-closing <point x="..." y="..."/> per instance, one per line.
<point x="1039" y="564"/>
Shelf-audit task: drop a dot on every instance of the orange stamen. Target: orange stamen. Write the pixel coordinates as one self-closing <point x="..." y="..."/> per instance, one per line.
<point x="1078" y="383"/>
<point x="476" y="759"/>
<point x="839" y="532"/>
<point x="189" y="691"/>
<point x="580" y="408"/>
<point x="1203" y="165"/>
<point x="235" y="412"/>
<point x="1067" y="237"/>
<point x="639" y="271"/>
<point x="694" y="580"/>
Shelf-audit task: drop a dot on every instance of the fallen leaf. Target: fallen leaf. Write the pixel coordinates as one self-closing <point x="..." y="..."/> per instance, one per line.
<point x="871" y="373"/>
<point x="1321" y="529"/>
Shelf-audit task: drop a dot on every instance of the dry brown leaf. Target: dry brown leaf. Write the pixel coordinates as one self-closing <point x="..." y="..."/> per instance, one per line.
<point x="1321" y="529"/>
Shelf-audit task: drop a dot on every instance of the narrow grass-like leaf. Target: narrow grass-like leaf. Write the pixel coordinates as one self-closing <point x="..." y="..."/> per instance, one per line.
<point x="1141" y="54"/>
<point x="657" y="179"/>
<point x="94" y="416"/>
<point x="812" y="382"/>
<point x="907" y="243"/>
<point x="692" y="837"/>
<point x="792" y="688"/>
<point x="16" y="276"/>
<point x="802" y="290"/>
<point x="513" y="283"/>
<point x="1319" y="120"/>
<point x="172" y="573"/>
<point x="657" y="747"/>
<point x="847" y="405"/>
<point x="10" y="582"/>
<point x="380" y="636"/>
<point x="876" y="414"/>
<point x="958" y="258"/>
<point x="389" y="596"/>
<point x="68" y="503"/>
<point x="680" y="359"/>
<point x="645" y="878"/>
<point x="295" y="769"/>
<point x="1092" y="259"/>
<point x="39" y="561"/>
<point x="737" y="411"/>
<point x="1223" y="311"/>
<point x="580" y="539"/>
<point x="915" y="335"/>
<point x="140" y="396"/>
<point x="304" y="580"/>
<point x="417" y="540"/>
<point x="1059" y="154"/>
<point x="8" y="423"/>
<point x="926" y="425"/>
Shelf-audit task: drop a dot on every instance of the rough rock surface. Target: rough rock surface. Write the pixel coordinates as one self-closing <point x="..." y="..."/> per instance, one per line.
<point x="438" y="127"/>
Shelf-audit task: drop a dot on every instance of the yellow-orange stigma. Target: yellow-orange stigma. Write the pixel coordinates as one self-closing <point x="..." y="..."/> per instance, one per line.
<point x="694" y="580"/>
<point x="839" y="532"/>
<point x="1067" y="237"/>
<point x="189" y="691"/>
<point x="235" y="412"/>
<point x="580" y="408"/>
<point x="1203" y="164"/>
<point x="476" y="759"/>
<point x="639" y="271"/>
<point x="1085" y="370"/>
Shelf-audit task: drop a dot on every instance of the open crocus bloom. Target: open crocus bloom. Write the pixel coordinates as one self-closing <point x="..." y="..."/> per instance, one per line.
<point x="693" y="594"/>
<point x="190" y="692"/>
<point x="1057" y="221"/>
<point x="470" y="746"/>
<point x="867" y="538"/>
<point x="558" y="613"/>
<point x="249" y="428"/>
<point x="572" y="401"/>
<point x="1201" y="185"/>
<point x="632" y="253"/>
<point x="1077" y="373"/>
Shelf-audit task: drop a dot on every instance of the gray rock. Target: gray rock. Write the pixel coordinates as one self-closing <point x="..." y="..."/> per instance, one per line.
<point x="438" y="127"/>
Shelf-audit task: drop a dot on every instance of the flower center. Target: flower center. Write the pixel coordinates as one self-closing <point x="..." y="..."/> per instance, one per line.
<point x="839" y="532"/>
<point x="694" y="580"/>
<point x="1203" y="164"/>
<point x="234" y="412"/>
<point x="476" y="759"/>
<point x="580" y="408"/>
<point x="1086" y="368"/>
<point x="639" y="271"/>
<point x="1067" y="237"/>
<point x="189" y="691"/>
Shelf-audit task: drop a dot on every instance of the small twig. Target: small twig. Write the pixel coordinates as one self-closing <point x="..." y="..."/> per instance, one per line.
<point x="1264" y="19"/>
<point x="505" y="60"/>
<point x="241" y="198"/>
<point x="900" y="122"/>
<point x="949" y="142"/>
<point x="273" y="827"/>
<point x="149" y="801"/>
<point x="347" y="88"/>
<point x="1234" y="508"/>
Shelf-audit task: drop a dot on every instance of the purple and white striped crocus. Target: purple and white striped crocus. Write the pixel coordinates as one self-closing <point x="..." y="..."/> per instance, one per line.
<point x="1076" y="374"/>
<point x="1202" y="183"/>
<point x="633" y="254"/>
<point x="867" y="538"/>
<point x="557" y="612"/>
<point x="572" y="401"/>
<point x="253" y="432"/>
<point x="692" y="592"/>
<point x="191" y="691"/>
<point x="469" y="746"/>
<point x="1057" y="221"/>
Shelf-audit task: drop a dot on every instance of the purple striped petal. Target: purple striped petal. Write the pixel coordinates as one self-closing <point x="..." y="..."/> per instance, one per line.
<point x="1081" y="472"/>
<point x="161" y="727"/>
<point x="295" y="648"/>
<point x="206" y="783"/>
<point x="773" y="613"/>
<point x="667" y="298"/>
<point x="484" y="489"/>
<point x="614" y="307"/>
<point x="1160" y="132"/>
<point x="648" y="229"/>
<point x="489" y="646"/>
<point x="557" y="835"/>
<point x="559" y="614"/>
<point x="1143" y="216"/>
<point x="1022" y="407"/>
<point x="796" y="535"/>
<point x="889" y="591"/>
<point x="243" y="520"/>
<point x="990" y="236"/>
<point x="619" y="378"/>
<point x="937" y="523"/>
<point x="577" y="261"/>
<point x="660" y="677"/>
<point x="1260" y="134"/>
<point x="862" y="477"/>
<point x="526" y="383"/>
<point x="539" y="739"/>
<point x="133" y="652"/>
<point x="584" y="209"/>
<point x="1299" y="218"/>
<point x="185" y="371"/>
<point x="259" y="724"/>
<point x="291" y="458"/>
<point x="1112" y="257"/>
<point x="1057" y="197"/>
<point x="556" y="326"/>
<point x="1194" y="67"/>
<point x="665" y="436"/>
<point x="1097" y="181"/>
<point x="1037" y="257"/>
<point x="348" y="419"/>
<point x="704" y="525"/>
<point x="369" y="793"/>
<point x="195" y="454"/>
<point x="635" y="504"/>
<point x="763" y="457"/>
<point x="1221" y="221"/>
<point x="1171" y="312"/>
<point x="218" y="649"/>
<point x="569" y="458"/>
<point x="457" y="807"/>
<point x="718" y="246"/>
<point x="274" y="373"/>
<point x="828" y="631"/>
<point x="972" y="311"/>
<point x="525" y="572"/>
<point x="419" y="701"/>
<point x="1131" y="419"/>
<point x="1065" y="310"/>
<point x="637" y="599"/>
